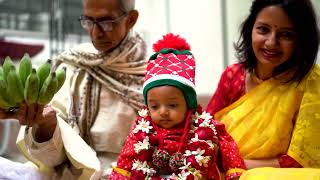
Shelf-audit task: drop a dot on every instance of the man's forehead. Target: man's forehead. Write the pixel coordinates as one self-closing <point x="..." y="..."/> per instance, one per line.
<point x="99" y="8"/>
<point x="102" y="3"/>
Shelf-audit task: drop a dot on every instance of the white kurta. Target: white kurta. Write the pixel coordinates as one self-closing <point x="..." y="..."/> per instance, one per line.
<point x="107" y="133"/>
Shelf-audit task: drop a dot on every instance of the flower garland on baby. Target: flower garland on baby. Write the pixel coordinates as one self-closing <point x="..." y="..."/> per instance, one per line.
<point x="197" y="159"/>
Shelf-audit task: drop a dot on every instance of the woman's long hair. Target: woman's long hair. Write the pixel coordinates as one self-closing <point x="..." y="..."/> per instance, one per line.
<point x="303" y="17"/>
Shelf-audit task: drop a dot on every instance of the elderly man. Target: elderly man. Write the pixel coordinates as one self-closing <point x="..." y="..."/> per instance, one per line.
<point x="83" y="130"/>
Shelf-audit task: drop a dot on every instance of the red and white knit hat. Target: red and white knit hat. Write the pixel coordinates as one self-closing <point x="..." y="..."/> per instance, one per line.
<point x="173" y="64"/>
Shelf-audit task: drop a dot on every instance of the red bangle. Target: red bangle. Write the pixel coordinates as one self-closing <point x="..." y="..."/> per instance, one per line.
<point x="286" y="161"/>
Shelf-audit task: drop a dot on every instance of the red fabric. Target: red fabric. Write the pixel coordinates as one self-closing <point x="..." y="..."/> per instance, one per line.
<point x="287" y="161"/>
<point x="16" y="50"/>
<point x="180" y="65"/>
<point x="228" y="151"/>
<point x="170" y="139"/>
<point x="117" y="176"/>
<point x="230" y="88"/>
<point x="171" y="41"/>
<point x="233" y="176"/>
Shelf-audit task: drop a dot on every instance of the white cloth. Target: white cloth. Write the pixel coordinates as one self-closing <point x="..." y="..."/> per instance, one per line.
<point x="10" y="170"/>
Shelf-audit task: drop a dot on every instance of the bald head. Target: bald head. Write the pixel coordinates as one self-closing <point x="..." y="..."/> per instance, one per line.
<point x="125" y="5"/>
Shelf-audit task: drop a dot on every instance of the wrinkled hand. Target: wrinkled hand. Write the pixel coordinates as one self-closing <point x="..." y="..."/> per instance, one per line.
<point x="46" y="119"/>
<point x="14" y="113"/>
<point x="42" y="116"/>
<point x="29" y="114"/>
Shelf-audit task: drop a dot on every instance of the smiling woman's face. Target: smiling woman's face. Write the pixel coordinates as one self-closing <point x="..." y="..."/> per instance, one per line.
<point x="273" y="37"/>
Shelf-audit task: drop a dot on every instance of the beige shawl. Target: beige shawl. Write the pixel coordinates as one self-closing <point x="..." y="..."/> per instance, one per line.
<point x="121" y="71"/>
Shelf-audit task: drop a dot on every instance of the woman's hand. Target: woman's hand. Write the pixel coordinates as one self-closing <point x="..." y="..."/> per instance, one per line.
<point x="262" y="163"/>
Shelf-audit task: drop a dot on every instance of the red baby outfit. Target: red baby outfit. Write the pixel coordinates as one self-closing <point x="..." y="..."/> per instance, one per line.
<point x="203" y="129"/>
<point x="197" y="148"/>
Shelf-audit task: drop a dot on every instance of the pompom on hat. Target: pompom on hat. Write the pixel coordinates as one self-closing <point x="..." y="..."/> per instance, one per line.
<point x="174" y="65"/>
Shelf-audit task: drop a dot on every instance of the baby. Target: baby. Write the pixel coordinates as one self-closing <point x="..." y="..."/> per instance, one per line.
<point x="173" y="138"/>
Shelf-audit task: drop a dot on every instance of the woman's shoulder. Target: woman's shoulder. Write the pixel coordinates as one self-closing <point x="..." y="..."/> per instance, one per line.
<point x="234" y="72"/>
<point x="312" y="80"/>
<point x="234" y="68"/>
<point x="315" y="72"/>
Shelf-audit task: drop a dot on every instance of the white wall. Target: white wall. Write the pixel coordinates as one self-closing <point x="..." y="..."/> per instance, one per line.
<point x="202" y="29"/>
<point x="317" y="8"/>
<point x="199" y="22"/>
<point x="236" y="13"/>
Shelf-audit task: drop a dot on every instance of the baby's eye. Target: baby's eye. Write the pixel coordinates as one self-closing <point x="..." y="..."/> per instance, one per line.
<point x="153" y="107"/>
<point x="173" y="105"/>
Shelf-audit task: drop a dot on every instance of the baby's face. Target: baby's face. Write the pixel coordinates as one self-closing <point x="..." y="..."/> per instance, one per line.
<point x="167" y="106"/>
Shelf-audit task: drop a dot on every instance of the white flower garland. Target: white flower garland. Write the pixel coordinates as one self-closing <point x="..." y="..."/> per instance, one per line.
<point x="145" y="126"/>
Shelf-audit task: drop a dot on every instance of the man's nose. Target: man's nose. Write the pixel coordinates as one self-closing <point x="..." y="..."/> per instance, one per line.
<point x="96" y="31"/>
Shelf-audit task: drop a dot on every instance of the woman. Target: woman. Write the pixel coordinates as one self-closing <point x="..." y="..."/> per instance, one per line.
<point x="270" y="100"/>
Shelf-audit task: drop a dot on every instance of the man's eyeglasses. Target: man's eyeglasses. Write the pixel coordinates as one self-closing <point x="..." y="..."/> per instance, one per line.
<point x="105" y="25"/>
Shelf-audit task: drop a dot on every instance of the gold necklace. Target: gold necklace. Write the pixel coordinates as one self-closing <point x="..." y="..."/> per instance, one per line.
<point x="255" y="78"/>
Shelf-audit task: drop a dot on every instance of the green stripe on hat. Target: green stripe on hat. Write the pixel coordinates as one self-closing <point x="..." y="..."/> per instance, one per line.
<point x="189" y="93"/>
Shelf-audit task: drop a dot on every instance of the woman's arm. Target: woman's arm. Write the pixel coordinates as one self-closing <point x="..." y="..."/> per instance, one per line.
<point x="262" y="163"/>
<point x="286" y="161"/>
<point x="304" y="144"/>
<point x="283" y="161"/>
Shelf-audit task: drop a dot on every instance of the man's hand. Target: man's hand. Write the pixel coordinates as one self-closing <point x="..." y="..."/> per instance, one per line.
<point x="18" y="113"/>
<point x="44" y="117"/>
<point x="46" y="120"/>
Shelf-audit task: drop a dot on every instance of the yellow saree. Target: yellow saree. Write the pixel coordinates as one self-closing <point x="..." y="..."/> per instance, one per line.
<point x="268" y="173"/>
<point x="278" y="118"/>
